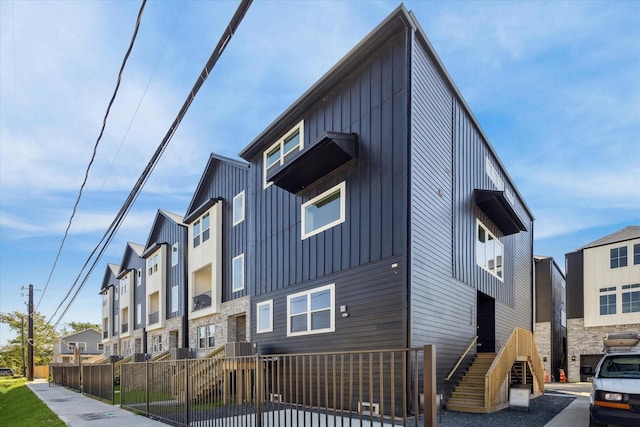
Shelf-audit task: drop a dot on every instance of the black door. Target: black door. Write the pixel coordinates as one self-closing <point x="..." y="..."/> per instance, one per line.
<point x="486" y="323"/>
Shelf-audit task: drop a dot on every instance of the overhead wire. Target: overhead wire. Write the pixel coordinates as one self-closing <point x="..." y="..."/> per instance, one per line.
<point x="93" y="155"/>
<point x="115" y="225"/>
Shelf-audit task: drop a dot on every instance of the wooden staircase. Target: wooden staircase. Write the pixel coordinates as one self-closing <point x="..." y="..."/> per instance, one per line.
<point x="469" y="394"/>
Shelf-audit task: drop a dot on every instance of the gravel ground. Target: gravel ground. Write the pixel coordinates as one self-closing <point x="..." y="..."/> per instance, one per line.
<point x="541" y="410"/>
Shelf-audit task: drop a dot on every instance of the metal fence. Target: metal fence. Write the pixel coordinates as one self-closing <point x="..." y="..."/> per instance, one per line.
<point x="66" y="376"/>
<point x="384" y="387"/>
<point x="98" y="381"/>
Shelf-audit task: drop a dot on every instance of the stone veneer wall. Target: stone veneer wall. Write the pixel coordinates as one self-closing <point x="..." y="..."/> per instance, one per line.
<point x="581" y="340"/>
<point x="542" y="337"/>
<point x="221" y="320"/>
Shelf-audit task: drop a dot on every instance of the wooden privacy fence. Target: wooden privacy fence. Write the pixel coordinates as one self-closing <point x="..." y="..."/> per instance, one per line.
<point x="382" y="387"/>
<point x="66" y="376"/>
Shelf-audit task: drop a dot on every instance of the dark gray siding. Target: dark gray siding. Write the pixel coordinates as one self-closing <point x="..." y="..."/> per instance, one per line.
<point x="224" y="180"/>
<point x="375" y="301"/>
<point x="435" y="293"/>
<point x="575" y="284"/>
<point x="131" y="261"/>
<point x="371" y="103"/>
<point x="543" y="290"/>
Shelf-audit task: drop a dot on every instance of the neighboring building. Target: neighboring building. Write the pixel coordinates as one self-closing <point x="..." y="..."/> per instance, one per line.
<point x="217" y="292"/>
<point x="551" y="316"/>
<point x="603" y="297"/>
<point x="88" y="341"/>
<point x="380" y="215"/>
<point x="110" y="306"/>
<point x="166" y="282"/>
<point x="129" y="318"/>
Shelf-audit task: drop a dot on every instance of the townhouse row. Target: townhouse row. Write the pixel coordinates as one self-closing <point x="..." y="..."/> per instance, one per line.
<point x="372" y="213"/>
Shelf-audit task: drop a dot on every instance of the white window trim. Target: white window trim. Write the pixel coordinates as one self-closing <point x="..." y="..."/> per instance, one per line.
<point x="234" y="279"/>
<point x="175" y="248"/>
<point x="332" y="310"/>
<point x="342" y="189"/>
<point x="262" y="304"/>
<point x="280" y="142"/>
<point x="495" y="238"/>
<point x="239" y="214"/>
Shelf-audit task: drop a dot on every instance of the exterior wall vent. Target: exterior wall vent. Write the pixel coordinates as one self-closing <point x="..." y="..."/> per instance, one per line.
<point x="369" y="408"/>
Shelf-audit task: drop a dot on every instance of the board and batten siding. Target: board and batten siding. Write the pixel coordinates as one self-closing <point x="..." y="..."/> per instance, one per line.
<point x="225" y="179"/>
<point x="442" y="307"/>
<point x="357" y="254"/>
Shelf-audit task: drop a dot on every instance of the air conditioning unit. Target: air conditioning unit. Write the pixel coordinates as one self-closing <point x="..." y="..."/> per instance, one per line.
<point x="179" y="353"/>
<point x="139" y="357"/>
<point x="236" y="349"/>
<point x="114" y="359"/>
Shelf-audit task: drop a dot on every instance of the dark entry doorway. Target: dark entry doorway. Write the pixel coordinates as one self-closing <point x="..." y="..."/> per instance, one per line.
<point x="486" y="323"/>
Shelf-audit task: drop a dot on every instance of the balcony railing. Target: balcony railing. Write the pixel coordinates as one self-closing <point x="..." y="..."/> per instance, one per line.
<point x="154" y="317"/>
<point x="125" y="328"/>
<point x="201" y="301"/>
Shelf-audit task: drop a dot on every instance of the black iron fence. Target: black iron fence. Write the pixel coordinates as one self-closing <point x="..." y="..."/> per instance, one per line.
<point x="66" y="376"/>
<point x="98" y="381"/>
<point x="384" y="387"/>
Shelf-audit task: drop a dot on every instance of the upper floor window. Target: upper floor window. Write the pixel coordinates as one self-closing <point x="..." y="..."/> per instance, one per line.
<point x="238" y="273"/>
<point x="174" y="254"/>
<point x="105" y="299"/>
<point x="152" y="264"/>
<point x="636" y="254"/>
<point x="174" y="298"/>
<point x="489" y="251"/>
<point x="73" y="345"/>
<point x="138" y="313"/>
<point x="311" y="312"/>
<point x="280" y="152"/>
<point x="123" y="285"/>
<point x="238" y="208"/>
<point x="201" y="230"/>
<point x="116" y="293"/>
<point x="619" y="257"/>
<point x="631" y="298"/>
<point x="607" y="300"/>
<point x="139" y="279"/>
<point x="264" y="310"/>
<point x="324" y="211"/>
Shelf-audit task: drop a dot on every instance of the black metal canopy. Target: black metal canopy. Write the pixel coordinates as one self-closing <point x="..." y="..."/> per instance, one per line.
<point x="499" y="210"/>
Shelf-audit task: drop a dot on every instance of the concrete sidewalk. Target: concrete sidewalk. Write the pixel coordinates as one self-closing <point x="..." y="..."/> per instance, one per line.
<point x="78" y="410"/>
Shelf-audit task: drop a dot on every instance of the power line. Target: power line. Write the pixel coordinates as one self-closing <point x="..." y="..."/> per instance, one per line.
<point x="115" y="225"/>
<point x="95" y="149"/>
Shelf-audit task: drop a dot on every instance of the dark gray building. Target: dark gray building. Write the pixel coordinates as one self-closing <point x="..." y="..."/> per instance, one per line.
<point x="551" y="316"/>
<point x="380" y="216"/>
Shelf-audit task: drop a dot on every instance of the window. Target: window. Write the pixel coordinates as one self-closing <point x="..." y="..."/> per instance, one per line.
<point x="607" y="301"/>
<point x="493" y="174"/>
<point x="174" y="299"/>
<point x="174" y="255"/>
<point x="123" y="286"/>
<point x="138" y="313"/>
<point x="324" y="211"/>
<point x="238" y="208"/>
<point x="116" y="292"/>
<point x="201" y="230"/>
<point x="283" y="150"/>
<point x="311" y="312"/>
<point x="489" y="251"/>
<point x="105" y="299"/>
<point x="619" y="257"/>
<point x="636" y="254"/>
<point x="139" y="281"/>
<point x="265" y="316"/>
<point x="152" y="264"/>
<point x="238" y="273"/>
<point x="207" y="336"/>
<point x="116" y="324"/>
<point x="100" y="347"/>
<point x="73" y="345"/>
<point x="156" y="343"/>
<point x="631" y="299"/>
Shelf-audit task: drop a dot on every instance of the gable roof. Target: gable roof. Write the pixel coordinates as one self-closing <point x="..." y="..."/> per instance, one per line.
<point x="161" y="216"/>
<point x="111" y="270"/>
<point x="628" y="233"/>
<point x="131" y="248"/>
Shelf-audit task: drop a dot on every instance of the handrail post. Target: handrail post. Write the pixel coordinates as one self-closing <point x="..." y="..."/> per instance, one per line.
<point x="429" y="385"/>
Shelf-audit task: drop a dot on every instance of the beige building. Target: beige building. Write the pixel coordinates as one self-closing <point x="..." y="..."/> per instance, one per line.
<point x="603" y="297"/>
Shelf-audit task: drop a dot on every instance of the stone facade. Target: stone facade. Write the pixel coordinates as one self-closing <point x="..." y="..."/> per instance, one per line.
<point x="542" y="337"/>
<point x="588" y="341"/>
<point x="225" y="329"/>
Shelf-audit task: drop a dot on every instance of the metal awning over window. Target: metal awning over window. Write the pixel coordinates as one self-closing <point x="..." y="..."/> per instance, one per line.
<point x="499" y="210"/>
<point x="329" y="152"/>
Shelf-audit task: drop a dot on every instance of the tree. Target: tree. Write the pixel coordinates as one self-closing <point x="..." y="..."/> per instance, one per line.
<point x="43" y="337"/>
<point x="72" y="327"/>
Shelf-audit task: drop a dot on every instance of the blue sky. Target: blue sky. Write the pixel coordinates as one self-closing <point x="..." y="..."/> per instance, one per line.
<point x="554" y="85"/>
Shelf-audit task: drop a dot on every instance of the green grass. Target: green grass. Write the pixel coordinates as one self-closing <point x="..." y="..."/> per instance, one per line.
<point x="19" y="407"/>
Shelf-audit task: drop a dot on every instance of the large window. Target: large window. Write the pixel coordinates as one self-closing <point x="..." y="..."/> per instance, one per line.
<point x="324" y="211"/>
<point x="201" y="230"/>
<point x="238" y="208"/>
<point x="311" y="312"/>
<point x="265" y="316"/>
<point x="607" y="301"/>
<point x="636" y="254"/>
<point x="619" y="257"/>
<point x="280" y="152"/>
<point x="207" y="336"/>
<point x="156" y="343"/>
<point x="489" y="251"/>
<point x="238" y="273"/>
<point x="631" y="298"/>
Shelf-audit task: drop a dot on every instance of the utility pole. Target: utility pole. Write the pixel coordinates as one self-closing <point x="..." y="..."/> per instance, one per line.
<point x="30" y="339"/>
